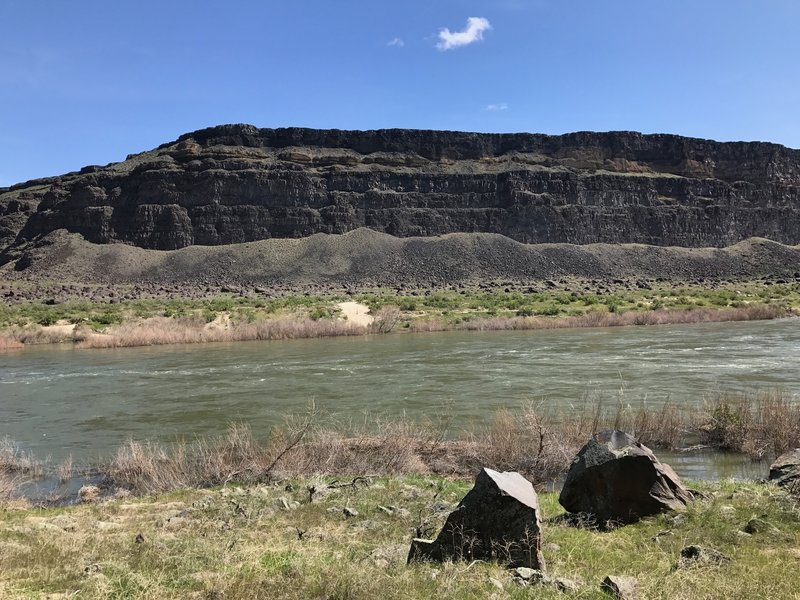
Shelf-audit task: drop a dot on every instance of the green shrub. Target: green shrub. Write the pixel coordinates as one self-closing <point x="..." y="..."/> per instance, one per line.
<point x="549" y="310"/>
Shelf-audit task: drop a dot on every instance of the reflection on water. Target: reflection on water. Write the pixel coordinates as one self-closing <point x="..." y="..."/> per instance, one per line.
<point x="86" y="402"/>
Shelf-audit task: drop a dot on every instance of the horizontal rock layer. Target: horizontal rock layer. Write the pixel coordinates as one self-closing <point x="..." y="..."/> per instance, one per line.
<point x="237" y="183"/>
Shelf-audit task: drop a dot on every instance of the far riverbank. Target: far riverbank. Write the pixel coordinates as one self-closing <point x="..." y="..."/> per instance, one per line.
<point x="126" y="319"/>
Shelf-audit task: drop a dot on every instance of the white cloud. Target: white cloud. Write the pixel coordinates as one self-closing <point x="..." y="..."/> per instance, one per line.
<point x="473" y="33"/>
<point x="497" y="107"/>
<point x="396" y="42"/>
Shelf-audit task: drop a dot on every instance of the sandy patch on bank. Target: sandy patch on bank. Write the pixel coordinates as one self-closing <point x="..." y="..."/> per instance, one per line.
<point x="61" y="327"/>
<point x="356" y="313"/>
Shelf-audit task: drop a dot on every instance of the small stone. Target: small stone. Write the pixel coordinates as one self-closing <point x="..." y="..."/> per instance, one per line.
<point x="64" y="522"/>
<point x="726" y="510"/>
<point x="657" y="537"/>
<point x="565" y="585"/>
<point x="496" y="583"/>
<point x="622" y="588"/>
<point x="695" y="555"/>
<point x="174" y="523"/>
<point x="368" y="525"/>
<point x="387" y="555"/>
<point x="526" y="573"/>
<point x="350" y="512"/>
<point x="551" y="547"/>
<point x="754" y="526"/>
<point x="679" y="520"/>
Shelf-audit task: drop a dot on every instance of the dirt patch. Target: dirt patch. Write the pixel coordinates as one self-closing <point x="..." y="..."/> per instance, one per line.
<point x="356" y="313"/>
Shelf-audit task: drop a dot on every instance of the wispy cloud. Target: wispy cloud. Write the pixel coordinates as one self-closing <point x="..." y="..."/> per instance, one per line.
<point x="497" y="107"/>
<point x="455" y="39"/>
<point x="396" y="42"/>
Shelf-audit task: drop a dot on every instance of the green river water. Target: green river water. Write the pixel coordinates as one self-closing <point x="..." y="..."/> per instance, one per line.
<point x="61" y="401"/>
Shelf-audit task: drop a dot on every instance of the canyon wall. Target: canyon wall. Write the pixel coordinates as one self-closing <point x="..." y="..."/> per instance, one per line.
<point x="237" y="183"/>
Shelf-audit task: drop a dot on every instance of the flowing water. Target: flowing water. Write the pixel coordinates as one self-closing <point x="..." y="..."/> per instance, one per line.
<point x="61" y="401"/>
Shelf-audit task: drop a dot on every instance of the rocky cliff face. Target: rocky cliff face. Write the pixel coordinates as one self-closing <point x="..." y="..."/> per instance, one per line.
<point x="237" y="183"/>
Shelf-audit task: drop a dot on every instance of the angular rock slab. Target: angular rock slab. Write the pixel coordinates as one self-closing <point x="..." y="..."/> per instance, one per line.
<point x="499" y="519"/>
<point x="785" y="471"/>
<point x="614" y="478"/>
<point x="621" y="588"/>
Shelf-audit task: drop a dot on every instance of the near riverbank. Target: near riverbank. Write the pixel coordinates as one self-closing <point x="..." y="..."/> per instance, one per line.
<point x="332" y="537"/>
<point x="314" y="511"/>
<point x="537" y="442"/>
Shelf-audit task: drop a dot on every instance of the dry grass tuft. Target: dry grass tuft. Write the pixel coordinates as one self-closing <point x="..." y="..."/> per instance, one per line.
<point x="8" y="341"/>
<point x="16" y="462"/>
<point x="765" y="423"/>
<point x="8" y="486"/>
<point x="192" y="330"/>
<point x="598" y="318"/>
<point x="149" y="468"/>
<point x="64" y="470"/>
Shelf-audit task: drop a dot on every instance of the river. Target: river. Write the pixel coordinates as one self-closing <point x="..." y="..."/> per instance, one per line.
<point x="58" y="401"/>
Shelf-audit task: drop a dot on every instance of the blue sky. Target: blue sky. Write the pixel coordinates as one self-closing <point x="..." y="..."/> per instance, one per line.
<point x="87" y="82"/>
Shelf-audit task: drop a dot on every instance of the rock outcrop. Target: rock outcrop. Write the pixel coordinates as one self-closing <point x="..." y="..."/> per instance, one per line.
<point x="499" y="519"/>
<point x="785" y="471"/>
<point x="614" y="478"/>
<point x="238" y="183"/>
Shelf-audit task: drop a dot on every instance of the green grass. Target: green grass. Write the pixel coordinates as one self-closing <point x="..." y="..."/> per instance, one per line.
<point x="236" y="543"/>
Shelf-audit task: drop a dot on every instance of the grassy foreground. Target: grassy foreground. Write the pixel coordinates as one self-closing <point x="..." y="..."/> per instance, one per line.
<point x="293" y="539"/>
<point x="128" y="321"/>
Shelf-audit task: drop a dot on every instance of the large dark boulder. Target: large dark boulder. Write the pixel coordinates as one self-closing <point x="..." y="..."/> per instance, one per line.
<point x="615" y="478"/>
<point x="785" y="471"/>
<point x="499" y="519"/>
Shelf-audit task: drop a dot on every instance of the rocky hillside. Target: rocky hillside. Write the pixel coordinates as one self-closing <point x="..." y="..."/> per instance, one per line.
<point x="236" y="183"/>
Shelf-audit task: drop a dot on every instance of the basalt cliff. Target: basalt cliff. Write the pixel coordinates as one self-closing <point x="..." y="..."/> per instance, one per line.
<point x="237" y="183"/>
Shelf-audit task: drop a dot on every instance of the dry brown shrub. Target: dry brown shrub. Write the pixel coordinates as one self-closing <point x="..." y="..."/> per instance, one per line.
<point x="531" y="442"/>
<point x="9" y="341"/>
<point x="386" y="319"/>
<point x="428" y="325"/>
<point x="16" y="337"/>
<point x="191" y="330"/>
<point x="766" y="423"/>
<point x="8" y="486"/>
<point x="64" y="470"/>
<point x="599" y="318"/>
<point x="15" y="461"/>
<point x="148" y="468"/>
